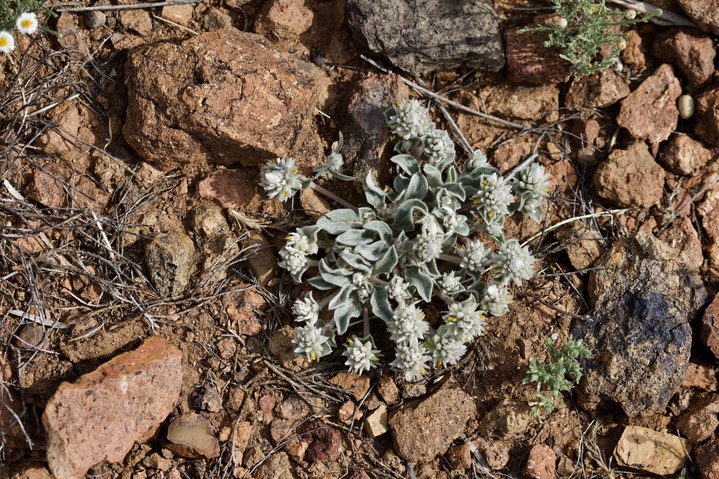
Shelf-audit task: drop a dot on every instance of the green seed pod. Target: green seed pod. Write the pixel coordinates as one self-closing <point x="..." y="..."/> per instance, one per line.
<point x="685" y="104"/>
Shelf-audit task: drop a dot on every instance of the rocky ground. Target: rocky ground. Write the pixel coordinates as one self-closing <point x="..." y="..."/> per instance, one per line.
<point x="146" y="330"/>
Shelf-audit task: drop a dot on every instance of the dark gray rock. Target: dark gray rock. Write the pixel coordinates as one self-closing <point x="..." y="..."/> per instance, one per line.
<point x="423" y="36"/>
<point x="170" y="259"/>
<point x="644" y="297"/>
<point x="367" y="146"/>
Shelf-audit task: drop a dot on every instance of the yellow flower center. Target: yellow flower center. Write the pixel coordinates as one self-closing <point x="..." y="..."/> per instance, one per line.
<point x="27" y="23"/>
<point x="3" y="41"/>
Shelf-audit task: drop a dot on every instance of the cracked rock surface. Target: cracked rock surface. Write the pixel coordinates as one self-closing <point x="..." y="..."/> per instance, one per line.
<point x="639" y="334"/>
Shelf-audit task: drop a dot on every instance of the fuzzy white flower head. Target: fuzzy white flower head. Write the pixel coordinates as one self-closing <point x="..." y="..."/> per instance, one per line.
<point x="407" y="324"/>
<point x="493" y="196"/>
<point x="473" y="255"/>
<point x="496" y="299"/>
<point x="298" y="241"/>
<point x="438" y="147"/>
<point x="361" y="355"/>
<point x="281" y="178"/>
<point x="27" y="23"/>
<point x="513" y="263"/>
<point x="412" y="360"/>
<point x="409" y="119"/>
<point x="429" y="241"/>
<point x="451" y="284"/>
<point x="451" y="220"/>
<point x="306" y="310"/>
<point x="7" y="42"/>
<point x="293" y="260"/>
<point x="398" y="289"/>
<point x="478" y="160"/>
<point x="310" y="341"/>
<point x="445" y="347"/>
<point x="464" y="320"/>
<point x="562" y="22"/>
<point x="533" y="180"/>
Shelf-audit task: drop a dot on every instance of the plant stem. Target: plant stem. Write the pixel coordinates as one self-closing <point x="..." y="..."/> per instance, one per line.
<point x="450" y="258"/>
<point x="324" y="191"/>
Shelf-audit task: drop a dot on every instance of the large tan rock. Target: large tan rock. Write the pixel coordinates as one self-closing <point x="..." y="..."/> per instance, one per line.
<point x="225" y="96"/>
<point x="102" y="414"/>
<point x="651" y="451"/>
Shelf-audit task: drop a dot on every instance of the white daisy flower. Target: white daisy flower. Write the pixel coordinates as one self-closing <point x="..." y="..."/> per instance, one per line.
<point x="7" y="42"/>
<point x="27" y="23"/>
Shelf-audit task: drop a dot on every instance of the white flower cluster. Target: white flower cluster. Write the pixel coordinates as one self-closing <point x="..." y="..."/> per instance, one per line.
<point x="281" y="178"/>
<point x="26" y="24"/>
<point x="361" y="354"/>
<point x="513" y="263"/>
<point x="294" y="253"/>
<point x="409" y="119"/>
<point x="311" y="339"/>
<point x="395" y="258"/>
<point x="493" y="197"/>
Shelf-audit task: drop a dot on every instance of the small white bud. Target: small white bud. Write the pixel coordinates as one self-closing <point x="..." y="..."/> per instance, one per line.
<point x="562" y="22"/>
<point x="630" y="14"/>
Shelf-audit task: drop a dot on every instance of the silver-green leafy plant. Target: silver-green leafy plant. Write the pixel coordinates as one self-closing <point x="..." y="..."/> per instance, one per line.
<point x="437" y="233"/>
<point x="583" y="28"/>
<point x="561" y="374"/>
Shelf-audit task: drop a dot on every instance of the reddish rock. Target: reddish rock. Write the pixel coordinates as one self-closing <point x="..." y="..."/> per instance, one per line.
<point x="541" y="463"/>
<point x="226" y="347"/>
<point x="530" y="62"/>
<point x="704" y="12"/>
<point x="698" y="424"/>
<point x="600" y="90"/>
<point x="293" y="409"/>
<point x="651" y="451"/>
<point x="583" y="244"/>
<point x="522" y="102"/>
<point x="709" y="214"/>
<point x="709" y="334"/>
<point x="635" y="55"/>
<point x="46" y="188"/>
<point x="706" y="116"/>
<point x="225" y="96"/>
<point x="277" y="466"/>
<point x="70" y="37"/>
<point x="244" y="308"/>
<point x="138" y="21"/>
<point x="425" y="429"/>
<point x="325" y="445"/>
<point x="32" y="470"/>
<point x="282" y="348"/>
<point x="650" y="112"/>
<point x="387" y="388"/>
<point x="682" y="236"/>
<point x="180" y="14"/>
<point x="460" y="457"/>
<point x="284" y="19"/>
<point x="683" y="155"/>
<point x="102" y="414"/>
<point x="357" y="384"/>
<point x="75" y="128"/>
<point x="691" y="52"/>
<point x="238" y="188"/>
<point x="630" y="177"/>
<point x="706" y="459"/>
<point x="699" y="376"/>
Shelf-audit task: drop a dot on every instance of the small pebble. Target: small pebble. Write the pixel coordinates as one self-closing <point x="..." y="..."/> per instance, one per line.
<point x="95" y="19"/>
<point x="685" y="104"/>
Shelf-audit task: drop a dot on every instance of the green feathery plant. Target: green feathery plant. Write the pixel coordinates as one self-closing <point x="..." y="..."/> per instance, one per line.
<point x="417" y="241"/>
<point x="560" y="375"/>
<point x="583" y="28"/>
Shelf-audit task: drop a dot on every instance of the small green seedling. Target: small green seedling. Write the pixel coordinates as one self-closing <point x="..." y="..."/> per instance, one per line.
<point x="560" y="375"/>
